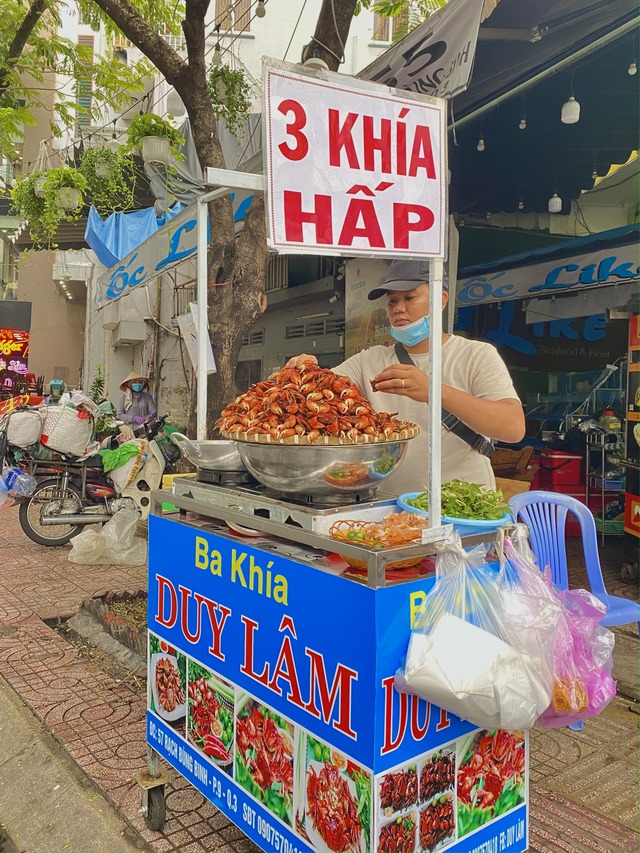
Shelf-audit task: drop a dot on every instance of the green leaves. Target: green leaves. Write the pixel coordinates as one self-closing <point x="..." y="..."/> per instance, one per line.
<point x="466" y="500"/>
<point x="230" y="95"/>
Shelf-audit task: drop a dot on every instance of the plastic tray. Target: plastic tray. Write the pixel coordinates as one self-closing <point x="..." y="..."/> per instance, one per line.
<point x="463" y="526"/>
<point x="609" y="485"/>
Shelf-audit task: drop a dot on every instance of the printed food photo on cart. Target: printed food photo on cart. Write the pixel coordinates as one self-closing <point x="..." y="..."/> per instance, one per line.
<point x="167" y="684"/>
<point x="264" y="756"/>
<point x="334" y="798"/>
<point x="211" y="715"/>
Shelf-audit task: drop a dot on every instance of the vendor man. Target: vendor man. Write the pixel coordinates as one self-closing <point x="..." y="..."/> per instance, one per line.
<point x="476" y="386"/>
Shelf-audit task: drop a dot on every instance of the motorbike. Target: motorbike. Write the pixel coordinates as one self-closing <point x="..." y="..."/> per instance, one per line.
<point x="70" y="495"/>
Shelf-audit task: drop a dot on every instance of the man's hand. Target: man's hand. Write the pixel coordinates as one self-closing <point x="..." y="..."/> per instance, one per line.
<point x="138" y="420"/>
<point x="299" y="360"/>
<point x="405" y="380"/>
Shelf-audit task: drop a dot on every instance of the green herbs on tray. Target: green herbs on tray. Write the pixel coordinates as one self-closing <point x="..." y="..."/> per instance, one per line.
<point x="465" y="500"/>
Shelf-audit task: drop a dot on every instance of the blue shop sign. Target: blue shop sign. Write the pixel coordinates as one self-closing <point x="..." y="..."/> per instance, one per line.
<point x="170" y="245"/>
<point x="606" y="266"/>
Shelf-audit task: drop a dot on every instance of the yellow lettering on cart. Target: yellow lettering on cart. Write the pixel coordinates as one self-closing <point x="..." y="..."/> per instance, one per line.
<point x="206" y="560"/>
<point x="416" y="602"/>
<point x="258" y="579"/>
<point x="202" y="553"/>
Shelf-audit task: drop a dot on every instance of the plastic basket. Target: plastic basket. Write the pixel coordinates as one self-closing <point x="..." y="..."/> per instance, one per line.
<point x="609" y="525"/>
<point x="463" y="526"/>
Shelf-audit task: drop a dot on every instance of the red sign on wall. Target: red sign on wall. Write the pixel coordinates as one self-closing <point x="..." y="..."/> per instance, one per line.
<point x="14" y="356"/>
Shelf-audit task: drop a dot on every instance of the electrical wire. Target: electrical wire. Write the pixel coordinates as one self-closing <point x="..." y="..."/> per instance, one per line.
<point x="294" y="30"/>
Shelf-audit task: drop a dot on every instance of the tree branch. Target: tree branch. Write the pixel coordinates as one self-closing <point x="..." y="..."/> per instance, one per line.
<point x="31" y="19"/>
<point x="168" y="61"/>
<point x="19" y="41"/>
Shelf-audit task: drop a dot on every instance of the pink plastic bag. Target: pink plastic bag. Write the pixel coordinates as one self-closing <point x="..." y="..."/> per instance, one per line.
<point x="583" y="683"/>
<point x="582" y="659"/>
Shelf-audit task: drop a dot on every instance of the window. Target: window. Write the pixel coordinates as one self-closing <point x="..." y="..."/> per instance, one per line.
<point x="233" y="15"/>
<point x="390" y="29"/>
<point x="248" y="373"/>
<point x="84" y="86"/>
<point x="254" y="338"/>
<point x="294" y="331"/>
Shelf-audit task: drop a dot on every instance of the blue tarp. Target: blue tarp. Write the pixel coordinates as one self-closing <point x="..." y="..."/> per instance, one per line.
<point x="120" y="233"/>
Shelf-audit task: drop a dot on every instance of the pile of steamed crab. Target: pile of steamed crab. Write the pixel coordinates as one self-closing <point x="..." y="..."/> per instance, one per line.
<point x="309" y="405"/>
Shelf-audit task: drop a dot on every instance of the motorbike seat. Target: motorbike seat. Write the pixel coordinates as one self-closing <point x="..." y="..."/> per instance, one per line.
<point x="94" y="461"/>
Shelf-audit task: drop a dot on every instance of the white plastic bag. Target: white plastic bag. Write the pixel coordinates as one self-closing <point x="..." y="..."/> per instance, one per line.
<point x="116" y="543"/>
<point x="464" y="653"/>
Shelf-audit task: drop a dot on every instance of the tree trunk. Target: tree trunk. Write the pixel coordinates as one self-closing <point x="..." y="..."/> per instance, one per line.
<point x="236" y="265"/>
<point x="331" y="33"/>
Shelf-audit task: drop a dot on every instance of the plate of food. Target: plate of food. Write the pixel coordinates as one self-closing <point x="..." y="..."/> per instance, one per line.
<point x="437" y="823"/>
<point x="398" y="791"/>
<point x="437" y="774"/>
<point x="167" y="687"/>
<point x="398" y="835"/>
<point x="264" y="756"/>
<point x="211" y="714"/>
<point x="332" y="820"/>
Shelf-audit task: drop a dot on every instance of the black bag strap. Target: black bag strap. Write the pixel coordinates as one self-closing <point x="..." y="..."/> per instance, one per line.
<point x="450" y="421"/>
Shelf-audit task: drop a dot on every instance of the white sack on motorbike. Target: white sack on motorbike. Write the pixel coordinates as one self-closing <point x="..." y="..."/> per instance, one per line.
<point x="70" y="433"/>
<point x="25" y="428"/>
<point x="124" y="475"/>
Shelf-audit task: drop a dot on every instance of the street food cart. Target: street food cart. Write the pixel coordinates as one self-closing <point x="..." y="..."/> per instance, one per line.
<point x="273" y="649"/>
<point x="294" y="654"/>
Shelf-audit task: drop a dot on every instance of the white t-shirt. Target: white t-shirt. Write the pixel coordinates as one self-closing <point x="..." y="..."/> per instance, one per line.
<point x="471" y="366"/>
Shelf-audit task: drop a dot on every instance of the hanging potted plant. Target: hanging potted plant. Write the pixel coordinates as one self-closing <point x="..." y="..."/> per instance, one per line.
<point x="38" y="184"/>
<point x="230" y="95"/>
<point x="110" y="176"/>
<point x="25" y="199"/>
<point x="65" y="188"/>
<point x="154" y="137"/>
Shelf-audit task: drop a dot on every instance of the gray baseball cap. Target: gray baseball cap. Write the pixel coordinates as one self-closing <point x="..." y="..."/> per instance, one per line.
<point x="405" y="274"/>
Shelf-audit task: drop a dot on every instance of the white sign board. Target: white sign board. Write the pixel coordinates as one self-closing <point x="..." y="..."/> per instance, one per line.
<point x="353" y="168"/>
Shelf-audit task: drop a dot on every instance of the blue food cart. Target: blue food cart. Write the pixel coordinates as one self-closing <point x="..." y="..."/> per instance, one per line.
<point x="271" y="686"/>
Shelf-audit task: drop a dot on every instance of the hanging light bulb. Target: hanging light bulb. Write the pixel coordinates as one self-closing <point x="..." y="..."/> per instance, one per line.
<point x="555" y="203"/>
<point x="216" y="59"/>
<point x="520" y="205"/>
<point x="594" y="174"/>
<point x="632" y="70"/>
<point x="523" y="123"/>
<point x="260" y="10"/>
<point x="570" y="111"/>
<point x="480" y="146"/>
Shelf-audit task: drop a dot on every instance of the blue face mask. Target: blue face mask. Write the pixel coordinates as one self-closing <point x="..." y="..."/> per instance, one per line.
<point x="137" y="386"/>
<point x="412" y="334"/>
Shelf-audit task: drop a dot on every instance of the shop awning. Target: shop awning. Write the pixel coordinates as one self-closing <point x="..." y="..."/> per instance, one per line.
<point x="598" y="260"/>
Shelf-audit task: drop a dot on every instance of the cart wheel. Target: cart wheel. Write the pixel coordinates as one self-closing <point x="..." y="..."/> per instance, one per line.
<point x="156" y="808"/>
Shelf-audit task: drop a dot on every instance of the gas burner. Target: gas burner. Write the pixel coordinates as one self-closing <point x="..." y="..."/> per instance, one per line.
<point x="335" y="500"/>
<point x="255" y="500"/>
<point x="225" y="478"/>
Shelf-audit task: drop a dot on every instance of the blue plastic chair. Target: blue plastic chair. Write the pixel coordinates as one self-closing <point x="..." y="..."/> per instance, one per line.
<point x="545" y="514"/>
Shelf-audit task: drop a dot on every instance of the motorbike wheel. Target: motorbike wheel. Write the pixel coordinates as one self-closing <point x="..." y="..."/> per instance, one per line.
<point x="48" y="491"/>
